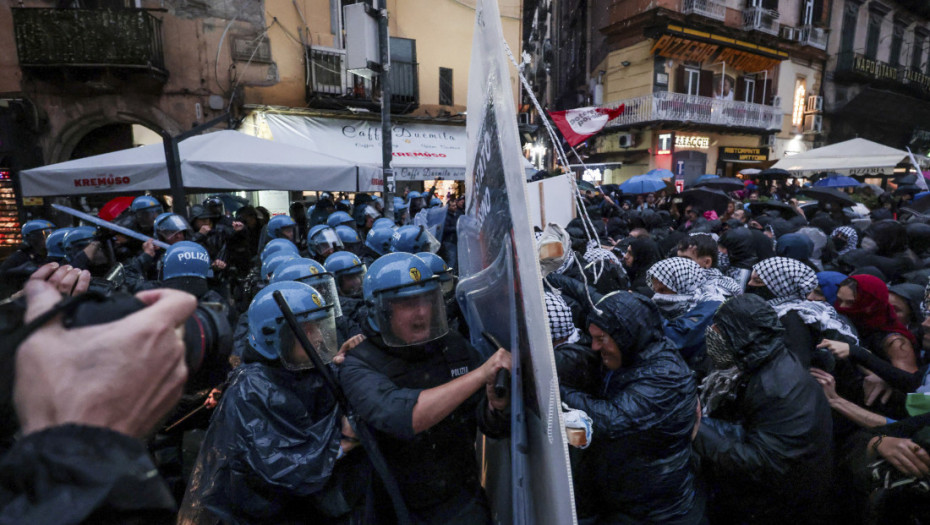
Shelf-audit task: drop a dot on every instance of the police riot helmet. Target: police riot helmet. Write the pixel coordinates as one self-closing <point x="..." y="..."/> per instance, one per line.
<point x="413" y="195"/>
<point x="278" y="245"/>
<point x="440" y="269"/>
<point x="168" y="225"/>
<point x="77" y="239"/>
<point x="383" y="222"/>
<point x="344" y="205"/>
<point x="54" y="244"/>
<point x="146" y="208"/>
<point x="272" y="263"/>
<point x="434" y="202"/>
<point x="405" y="301"/>
<point x="186" y="266"/>
<point x="413" y="239"/>
<point x="379" y="240"/>
<point x="339" y="217"/>
<point x="350" y="238"/>
<point x="271" y="336"/>
<point x="369" y="213"/>
<point x="202" y="212"/>
<point x="36" y="232"/>
<point x="309" y="271"/>
<point x="279" y="224"/>
<point x="323" y="240"/>
<point x="349" y="272"/>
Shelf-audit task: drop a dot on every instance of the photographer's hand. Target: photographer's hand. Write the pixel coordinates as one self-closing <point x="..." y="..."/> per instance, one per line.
<point x="68" y="280"/>
<point x="125" y="375"/>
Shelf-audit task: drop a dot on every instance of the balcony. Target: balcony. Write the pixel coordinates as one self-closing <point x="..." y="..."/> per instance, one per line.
<point x="121" y="39"/>
<point x="760" y="19"/>
<point x="813" y="37"/>
<point x="693" y="109"/>
<point x="331" y="86"/>
<point x="715" y="9"/>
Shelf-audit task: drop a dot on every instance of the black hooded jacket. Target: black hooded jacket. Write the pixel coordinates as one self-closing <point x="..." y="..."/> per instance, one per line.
<point x="768" y="452"/>
<point x="638" y="466"/>
<point x="741" y="246"/>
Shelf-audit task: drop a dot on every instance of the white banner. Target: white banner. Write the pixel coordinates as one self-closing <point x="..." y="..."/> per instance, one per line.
<point x="421" y="151"/>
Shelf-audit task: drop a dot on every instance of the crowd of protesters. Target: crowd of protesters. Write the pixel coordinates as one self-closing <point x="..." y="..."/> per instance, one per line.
<point x="759" y="363"/>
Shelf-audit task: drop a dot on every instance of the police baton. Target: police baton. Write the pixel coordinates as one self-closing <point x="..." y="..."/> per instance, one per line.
<point x="364" y="434"/>
<point x="502" y="379"/>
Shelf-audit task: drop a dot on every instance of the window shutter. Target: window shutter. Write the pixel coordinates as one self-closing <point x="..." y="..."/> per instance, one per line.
<point x="680" y="86"/>
<point x="706" y="86"/>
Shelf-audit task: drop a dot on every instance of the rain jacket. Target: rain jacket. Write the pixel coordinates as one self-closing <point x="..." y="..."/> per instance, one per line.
<point x="769" y="452"/>
<point x="270" y="450"/>
<point x="638" y="466"/>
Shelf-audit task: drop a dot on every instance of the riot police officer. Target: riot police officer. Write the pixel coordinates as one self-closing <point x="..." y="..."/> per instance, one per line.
<point x="54" y="246"/>
<point x="323" y="241"/>
<point x="348" y="271"/>
<point x="425" y="392"/>
<point x="351" y="240"/>
<point x="275" y="451"/>
<point x="377" y="243"/>
<point x="413" y="239"/>
<point x="19" y="266"/>
<point x="144" y="210"/>
<point x="338" y="218"/>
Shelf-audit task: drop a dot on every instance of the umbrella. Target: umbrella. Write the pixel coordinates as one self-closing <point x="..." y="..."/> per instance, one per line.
<point x="773" y="174"/>
<point x="876" y="189"/>
<point x="114" y="207"/>
<point x="907" y="189"/>
<point x="783" y="209"/>
<point x="707" y="176"/>
<point x="906" y="179"/>
<point x="723" y="183"/>
<point x="659" y="173"/>
<point x="584" y="185"/>
<point x="837" y="181"/>
<point x="921" y="195"/>
<point x="750" y="171"/>
<point x="919" y="207"/>
<point x="707" y="198"/>
<point x="641" y="184"/>
<point x="828" y="195"/>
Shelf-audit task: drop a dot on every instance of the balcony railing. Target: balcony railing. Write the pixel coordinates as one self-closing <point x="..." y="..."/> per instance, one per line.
<point x="88" y="38"/>
<point x="760" y="19"/>
<point x="678" y="107"/>
<point x="330" y="81"/>
<point x="715" y="9"/>
<point x="813" y="37"/>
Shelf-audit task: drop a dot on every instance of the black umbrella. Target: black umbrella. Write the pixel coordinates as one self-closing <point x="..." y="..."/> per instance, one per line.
<point x="722" y="183"/>
<point x="773" y="174"/>
<point x="905" y="179"/>
<point x="786" y="211"/>
<point x="907" y="189"/>
<point x="828" y="195"/>
<point x="920" y="206"/>
<point x="706" y="198"/>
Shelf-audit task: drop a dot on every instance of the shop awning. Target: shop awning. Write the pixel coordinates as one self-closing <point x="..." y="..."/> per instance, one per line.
<point x="223" y="160"/>
<point x="422" y="151"/>
<point x="852" y="157"/>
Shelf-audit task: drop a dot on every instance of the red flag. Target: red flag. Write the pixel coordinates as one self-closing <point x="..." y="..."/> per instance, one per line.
<point x="577" y="125"/>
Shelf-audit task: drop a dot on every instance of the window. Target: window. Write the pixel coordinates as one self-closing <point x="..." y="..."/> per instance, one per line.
<point x="692" y="81"/>
<point x="445" y="86"/>
<point x="807" y="17"/>
<point x="848" y="31"/>
<point x="749" y="89"/>
<point x="800" y="98"/>
<point x="897" y="40"/>
<point x="872" y="36"/>
<point x="917" y="52"/>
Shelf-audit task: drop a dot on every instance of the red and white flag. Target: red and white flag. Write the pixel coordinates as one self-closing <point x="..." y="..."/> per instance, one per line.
<point x="577" y="125"/>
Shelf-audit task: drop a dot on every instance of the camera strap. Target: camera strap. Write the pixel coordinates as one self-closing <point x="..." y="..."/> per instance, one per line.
<point x="66" y="306"/>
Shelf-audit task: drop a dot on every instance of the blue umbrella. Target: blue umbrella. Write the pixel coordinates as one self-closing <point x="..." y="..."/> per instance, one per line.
<point x="837" y="181"/>
<point x="641" y="184"/>
<point x="659" y="173"/>
<point x="921" y="195"/>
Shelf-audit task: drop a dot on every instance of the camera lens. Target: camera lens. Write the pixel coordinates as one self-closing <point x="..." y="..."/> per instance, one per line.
<point x="207" y="342"/>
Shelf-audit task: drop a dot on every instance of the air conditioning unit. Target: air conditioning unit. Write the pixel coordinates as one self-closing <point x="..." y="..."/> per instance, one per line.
<point x="625" y="140"/>
<point x="814" y="104"/>
<point x="769" y="140"/>
<point x="813" y="124"/>
<point x="789" y="33"/>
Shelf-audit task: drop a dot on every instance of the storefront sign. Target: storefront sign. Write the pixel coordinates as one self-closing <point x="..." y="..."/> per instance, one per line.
<point x="666" y="142"/>
<point x="692" y="141"/>
<point x="735" y="153"/>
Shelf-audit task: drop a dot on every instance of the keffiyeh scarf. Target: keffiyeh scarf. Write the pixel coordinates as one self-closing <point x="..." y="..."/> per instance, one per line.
<point x="852" y="238"/>
<point x="791" y="281"/>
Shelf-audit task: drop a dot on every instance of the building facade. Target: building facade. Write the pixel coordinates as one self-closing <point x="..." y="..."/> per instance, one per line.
<point x="878" y="74"/>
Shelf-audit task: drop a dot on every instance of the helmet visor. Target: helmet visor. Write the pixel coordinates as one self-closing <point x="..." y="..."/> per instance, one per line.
<point x="171" y="225"/>
<point x="406" y="317"/>
<point x="326" y="285"/>
<point x="432" y="244"/>
<point x="447" y="283"/>
<point x="325" y="241"/>
<point x="322" y="335"/>
<point x="350" y="282"/>
<point x="36" y="238"/>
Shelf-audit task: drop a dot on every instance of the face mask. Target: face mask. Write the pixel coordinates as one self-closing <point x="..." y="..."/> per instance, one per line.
<point x="719" y="350"/>
<point x="761" y="291"/>
<point x="723" y="261"/>
<point x="672" y="306"/>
